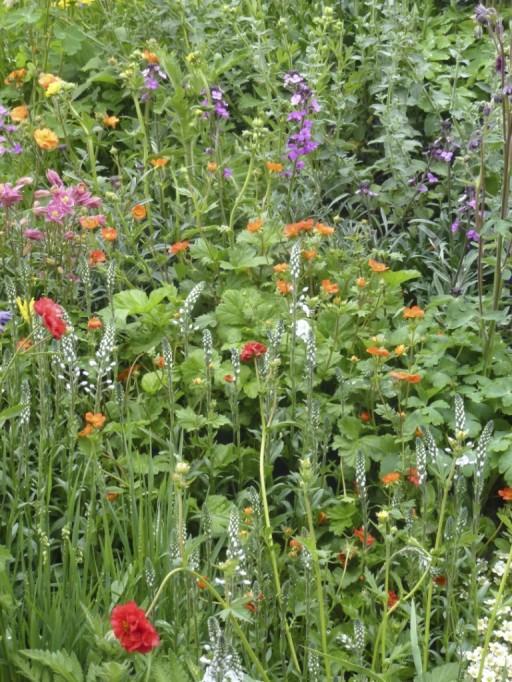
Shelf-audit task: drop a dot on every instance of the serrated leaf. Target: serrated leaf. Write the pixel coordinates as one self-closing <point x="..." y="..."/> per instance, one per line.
<point x="60" y="662"/>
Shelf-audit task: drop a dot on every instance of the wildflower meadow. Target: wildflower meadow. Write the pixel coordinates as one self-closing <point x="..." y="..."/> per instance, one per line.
<point x="255" y="341"/>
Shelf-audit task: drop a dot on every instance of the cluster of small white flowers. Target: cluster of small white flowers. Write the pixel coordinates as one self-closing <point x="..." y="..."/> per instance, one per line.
<point x="498" y="662"/>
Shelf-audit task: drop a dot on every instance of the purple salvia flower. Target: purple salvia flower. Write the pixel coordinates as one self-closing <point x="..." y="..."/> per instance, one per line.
<point x="227" y="172"/>
<point x="455" y="226"/>
<point x="432" y="179"/>
<point x="472" y="235"/>
<point x="5" y="317"/>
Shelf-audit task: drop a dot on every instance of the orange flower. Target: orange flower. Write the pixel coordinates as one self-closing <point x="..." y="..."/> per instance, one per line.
<point x="125" y="374"/>
<point x="440" y="580"/>
<point x="406" y="376"/>
<point x="112" y="496"/>
<point x="284" y="287"/>
<point x="46" y="139"/>
<point x="378" y="351"/>
<point x="46" y="79"/>
<point x="86" y="431"/>
<point x="295" y="545"/>
<point x="94" y="323"/>
<point x="90" y="222"/>
<point x="229" y="378"/>
<point x="139" y="212"/>
<point x="159" y="361"/>
<point x="161" y="162"/>
<point x="110" y="121"/>
<point x="329" y="287"/>
<point x="505" y="494"/>
<point x="109" y="234"/>
<point x="309" y="254"/>
<point x="322" y="519"/>
<point x="178" y="247"/>
<point x="413" y="476"/>
<point x="324" y="230"/>
<point x="151" y="57"/>
<point x="400" y="350"/>
<point x="391" y="478"/>
<point x="361" y="282"/>
<point x="274" y="167"/>
<point x="211" y="166"/>
<point x="15" y="77"/>
<point x="376" y="266"/>
<point x="95" y="419"/>
<point x="280" y="267"/>
<point x="24" y="345"/>
<point x="364" y="416"/>
<point x="201" y="583"/>
<point x="19" y="114"/>
<point x="254" y="225"/>
<point x="294" y="229"/>
<point x="97" y="256"/>
<point x="359" y="533"/>
<point x="414" y="313"/>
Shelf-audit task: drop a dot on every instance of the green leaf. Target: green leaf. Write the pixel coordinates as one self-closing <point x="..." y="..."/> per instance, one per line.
<point x="341" y="515"/>
<point x="5" y="557"/>
<point x="9" y="413"/>
<point x="219" y="508"/>
<point x="60" y="662"/>
<point x="395" y="278"/>
<point x="444" y="673"/>
<point x="415" y="647"/>
<point x="190" y="420"/>
<point x="152" y="382"/>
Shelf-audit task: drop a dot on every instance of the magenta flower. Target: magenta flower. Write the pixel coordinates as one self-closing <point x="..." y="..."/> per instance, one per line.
<point x="33" y="234"/>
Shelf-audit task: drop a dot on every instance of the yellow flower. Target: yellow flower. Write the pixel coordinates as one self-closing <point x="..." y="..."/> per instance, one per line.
<point x="54" y="88"/>
<point x="25" y="307"/>
<point x="46" y="139"/>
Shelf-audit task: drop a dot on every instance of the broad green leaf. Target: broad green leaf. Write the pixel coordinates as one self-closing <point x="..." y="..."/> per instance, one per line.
<point x="394" y="278"/>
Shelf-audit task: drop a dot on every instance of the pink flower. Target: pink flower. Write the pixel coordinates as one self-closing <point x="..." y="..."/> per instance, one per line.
<point x="33" y="235"/>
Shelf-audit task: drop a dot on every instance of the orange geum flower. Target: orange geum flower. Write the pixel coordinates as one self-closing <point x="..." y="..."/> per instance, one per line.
<point x="413" y="313"/>
<point x="86" y="431"/>
<point x="391" y="478"/>
<point x="378" y="351"/>
<point x="376" y="266"/>
<point x="90" y="222"/>
<point x="110" y="121"/>
<point x="280" y="267"/>
<point x="400" y="350"/>
<point x="139" y="212"/>
<point x="19" y="114"/>
<point x="159" y="361"/>
<point x="161" y="162"/>
<point x="254" y="225"/>
<point x="505" y="494"/>
<point x="361" y="282"/>
<point x="24" y="345"/>
<point x="273" y="167"/>
<point x="309" y="254"/>
<point x="95" y="419"/>
<point x="178" y="247"/>
<point x="15" y="77"/>
<point x="406" y="376"/>
<point x="46" y="79"/>
<point x="151" y="57"/>
<point x="94" y="323"/>
<point x="284" y="287"/>
<point x="329" y="287"/>
<point x="46" y="139"/>
<point x="324" y="230"/>
<point x="211" y="166"/>
<point x="109" y="234"/>
<point x="97" y="256"/>
<point x="364" y="416"/>
<point x="359" y="533"/>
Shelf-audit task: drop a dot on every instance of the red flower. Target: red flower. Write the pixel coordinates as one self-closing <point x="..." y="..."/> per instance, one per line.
<point x="51" y="314"/>
<point x="133" y="629"/>
<point x="359" y="533"/>
<point x="413" y="476"/>
<point x="392" y="599"/>
<point x="252" y="349"/>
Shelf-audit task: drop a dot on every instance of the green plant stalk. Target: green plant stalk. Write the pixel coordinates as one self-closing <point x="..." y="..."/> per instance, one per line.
<point x="145" y="150"/>
<point x="386" y="608"/>
<point x="494" y="615"/>
<point x="319" y="588"/>
<point x="437" y="545"/>
<point x="239" y="198"/>
<point x="245" y="643"/>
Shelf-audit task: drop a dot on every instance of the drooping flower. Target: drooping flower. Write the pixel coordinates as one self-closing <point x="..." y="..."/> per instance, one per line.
<point x="178" y="247"/>
<point x="378" y="351"/>
<point x="407" y="377"/>
<point x="94" y="323"/>
<point x="139" y="212"/>
<point x="252" y="349"/>
<point x="391" y="478"/>
<point x="414" y="312"/>
<point x="51" y="315"/>
<point x="5" y="317"/>
<point x="505" y="494"/>
<point x="132" y="628"/>
<point x="376" y="266"/>
<point x="392" y="599"/>
<point x="46" y="139"/>
<point x="359" y="533"/>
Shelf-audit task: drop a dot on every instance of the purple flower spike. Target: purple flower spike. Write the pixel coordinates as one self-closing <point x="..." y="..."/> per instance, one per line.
<point x="5" y="317"/>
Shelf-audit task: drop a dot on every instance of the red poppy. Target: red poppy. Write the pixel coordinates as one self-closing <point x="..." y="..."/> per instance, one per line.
<point x="51" y="314"/>
<point x="252" y="349"/>
<point x="133" y="629"/>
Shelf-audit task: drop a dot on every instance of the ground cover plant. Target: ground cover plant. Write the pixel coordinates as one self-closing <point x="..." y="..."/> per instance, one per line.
<point x="255" y="341"/>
